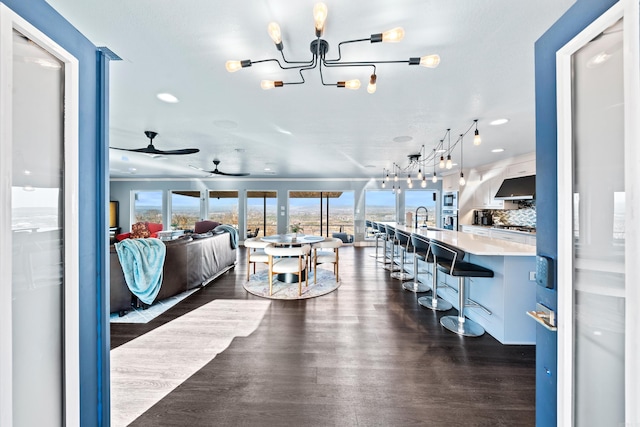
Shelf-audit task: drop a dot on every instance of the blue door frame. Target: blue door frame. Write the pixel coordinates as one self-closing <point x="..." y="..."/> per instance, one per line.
<point x="576" y="19"/>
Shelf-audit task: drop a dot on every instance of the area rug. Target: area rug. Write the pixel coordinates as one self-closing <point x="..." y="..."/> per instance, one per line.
<point x="138" y="315"/>
<point x="146" y="369"/>
<point x="258" y="285"/>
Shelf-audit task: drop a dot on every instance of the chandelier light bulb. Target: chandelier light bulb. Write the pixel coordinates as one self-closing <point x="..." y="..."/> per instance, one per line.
<point x="411" y="185"/>
<point x="409" y="179"/>
<point x="476" y="139"/>
<point x="393" y="35"/>
<point x="352" y="84"/>
<point x="383" y="184"/>
<point x="430" y="61"/>
<point x="267" y="84"/>
<point x="419" y="173"/>
<point x="435" y="178"/>
<point x="423" y="184"/>
<point x="395" y="178"/>
<point x="449" y="163"/>
<point x="371" y="88"/>
<point x="393" y="190"/>
<point x="319" y="16"/>
<point x="441" y="162"/>
<point x="462" y="181"/>
<point x="232" y="66"/>
<point x="399" y="190"/>
<point x="274" y="32"/>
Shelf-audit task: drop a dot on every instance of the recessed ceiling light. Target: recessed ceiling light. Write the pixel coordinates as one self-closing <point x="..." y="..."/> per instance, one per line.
<point x="404" y="138"/>
<point x="497" y="150"/>
<point x="499" y="122"/>
<point x="267" y="169"/>
<point x="167" y="97"/>
<point x="27" y="172"/>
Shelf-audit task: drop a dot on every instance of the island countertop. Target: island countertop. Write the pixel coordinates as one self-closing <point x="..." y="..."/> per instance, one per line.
<point x="470" y="243"/>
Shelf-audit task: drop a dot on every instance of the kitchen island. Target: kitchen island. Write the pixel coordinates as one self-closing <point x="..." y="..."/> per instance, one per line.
<point x="508" y="295"/>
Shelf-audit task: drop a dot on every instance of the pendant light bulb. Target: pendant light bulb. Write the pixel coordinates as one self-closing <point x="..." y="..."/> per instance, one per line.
<point x="423" y="184"/>
<point x="409" y="179"/>
<point x="399" y="190"/>
<point x="319" y="16"/>
<point x="393" y="190"/>
<point x="430" y="61"/>
<point x="476" y="137"/>
<point x="411" y="185"/>
<point x="394" y="35"/>
<point x="419" y="173"/>
<point x="449" y="163"/>
<point x="395" y="178"/>
<point x="441" y="165"/>
<point x="435" y="178"/>
<point x="274" y="32"/>
<point x="462" y="181"/>
<point x="371" y="88"/>
<point x="383" y="184"/>
<point x="232" y="66"/>
<point x="267" y="84"/>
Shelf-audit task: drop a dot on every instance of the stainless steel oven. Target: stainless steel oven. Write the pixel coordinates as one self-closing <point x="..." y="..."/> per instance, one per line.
<point x="450" y="200"/>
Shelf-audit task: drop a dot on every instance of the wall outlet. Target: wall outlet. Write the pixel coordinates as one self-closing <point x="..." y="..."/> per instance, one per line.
<point x="532" y="276"/>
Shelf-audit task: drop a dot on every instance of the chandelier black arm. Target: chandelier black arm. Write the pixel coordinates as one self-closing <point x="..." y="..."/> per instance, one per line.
<point x="350" y="64"/>
<point x="301" y="69"/>
<point x="345" y="42"/>
<point x="279" y="64"/>
<point x="304" y="63"/>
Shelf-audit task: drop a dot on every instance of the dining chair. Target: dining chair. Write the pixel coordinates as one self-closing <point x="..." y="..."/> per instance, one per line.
<point x="255" y="253"/>
<point x="326" y="257"/>
<point x="283" y="260"/>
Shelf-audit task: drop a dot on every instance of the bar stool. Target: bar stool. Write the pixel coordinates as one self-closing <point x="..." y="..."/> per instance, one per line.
<point x="421" y="252"/>
<point x="404" y="244"/>
<point x="389" y="248"/>
<point x="449" y="261"/>
<point x="380" y="234"/>
<point x="434" y="302"/>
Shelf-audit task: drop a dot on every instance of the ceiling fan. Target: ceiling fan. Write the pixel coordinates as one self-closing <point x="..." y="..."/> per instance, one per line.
<point x="150" y="149"/>
<point x="217" y="172"/>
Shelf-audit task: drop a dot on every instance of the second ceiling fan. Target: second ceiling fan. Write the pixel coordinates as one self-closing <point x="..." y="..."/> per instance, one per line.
<point x="215" y="171"/>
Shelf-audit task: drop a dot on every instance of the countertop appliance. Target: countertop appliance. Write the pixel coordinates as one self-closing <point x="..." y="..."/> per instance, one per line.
<point x="482" y="217"/>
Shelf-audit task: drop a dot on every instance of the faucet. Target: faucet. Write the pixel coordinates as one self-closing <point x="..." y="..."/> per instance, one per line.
<point x="426" y="216"/>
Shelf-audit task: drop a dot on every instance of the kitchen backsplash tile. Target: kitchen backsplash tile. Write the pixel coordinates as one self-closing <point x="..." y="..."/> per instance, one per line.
<point x="525" y="217"/>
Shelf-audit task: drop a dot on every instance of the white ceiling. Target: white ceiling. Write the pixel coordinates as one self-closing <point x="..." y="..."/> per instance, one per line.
<point x="309" y="130"/>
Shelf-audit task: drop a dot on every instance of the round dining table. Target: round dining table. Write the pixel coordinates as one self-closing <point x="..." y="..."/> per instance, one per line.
<point x="292" y="240"/>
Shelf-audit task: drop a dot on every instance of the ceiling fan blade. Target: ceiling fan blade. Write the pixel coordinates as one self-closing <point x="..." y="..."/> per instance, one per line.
<point x="217" y="172"/>
<point x="178" y="152"/>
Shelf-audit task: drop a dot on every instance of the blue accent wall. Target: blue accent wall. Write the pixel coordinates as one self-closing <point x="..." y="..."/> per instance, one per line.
<point x="94" y="332"/>
<point x="577" y="18"/>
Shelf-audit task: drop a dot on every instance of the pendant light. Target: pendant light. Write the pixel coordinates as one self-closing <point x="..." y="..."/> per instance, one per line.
<point x="435" y="178"/>
<point x="449" y="163"/>
<point x="476" y="138"/>
<point x="441" y="165"/>
<point x="462" y="181"/>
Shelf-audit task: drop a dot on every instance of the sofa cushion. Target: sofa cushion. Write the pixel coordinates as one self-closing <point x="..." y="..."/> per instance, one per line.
<point x="153" y="228"/>
<point x="139" y="230"/>
<point x="204" y="226"/>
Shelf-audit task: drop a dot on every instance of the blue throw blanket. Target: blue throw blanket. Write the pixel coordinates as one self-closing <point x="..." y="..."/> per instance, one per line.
<point x="142" y="261"/>
<point x="232" y="231"/>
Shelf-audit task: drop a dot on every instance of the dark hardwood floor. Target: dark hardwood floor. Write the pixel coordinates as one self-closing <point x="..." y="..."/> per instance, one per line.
<point x="365" y="355"/>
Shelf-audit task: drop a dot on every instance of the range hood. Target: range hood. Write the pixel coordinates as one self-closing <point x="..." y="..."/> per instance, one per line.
<point x="521" y="188"/>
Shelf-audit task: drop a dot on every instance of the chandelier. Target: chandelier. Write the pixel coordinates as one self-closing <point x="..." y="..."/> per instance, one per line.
<point x="418" y="162"/>
<point x="319" y="48"/>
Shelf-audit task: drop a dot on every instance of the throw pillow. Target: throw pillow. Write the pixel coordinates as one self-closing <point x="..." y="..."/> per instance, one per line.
<point x="139" y="230"/>
<point x="204" y="226"/>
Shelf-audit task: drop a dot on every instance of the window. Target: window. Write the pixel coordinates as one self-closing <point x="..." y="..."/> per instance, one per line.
<point x="380" y="205"/>
<point x="147" y="206"/>
<point x="262" y="212"/>
<point x="185" y="209"/>
<point x="417" y="198"/>
<point x="223" y="207"/>
<point x="322" y="212"/>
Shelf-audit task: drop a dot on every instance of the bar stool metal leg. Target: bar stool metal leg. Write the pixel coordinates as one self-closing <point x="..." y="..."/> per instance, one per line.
<point x="434" y="302"/>
<point x="459" y="324"/>
<point x="389" y="263"/>
<point x="401" y="274"/>
<point x="415" y="286"/>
